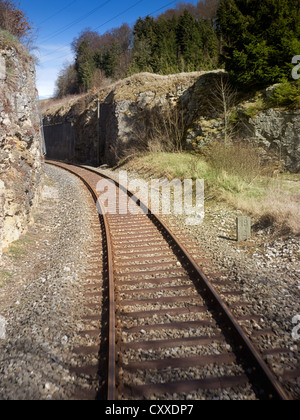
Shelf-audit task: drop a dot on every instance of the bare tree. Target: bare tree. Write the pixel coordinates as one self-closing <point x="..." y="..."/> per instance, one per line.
<point x="67" y="82"/>
<point x="159" y="129"/>
<point x="222" y="98"/>
<point x="99" y="79"/>
<point x="14" y="20"/>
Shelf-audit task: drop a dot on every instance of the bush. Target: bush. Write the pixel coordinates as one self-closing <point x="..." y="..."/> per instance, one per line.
<point x="259" y="39"/>
<point x="14" y="20"/>
<point x="158" y="129"/>
<point x="286" y="94"/>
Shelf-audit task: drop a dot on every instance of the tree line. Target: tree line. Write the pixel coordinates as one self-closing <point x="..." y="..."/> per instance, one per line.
<point x="255" y="40"/>
<point x="181" y="39"/>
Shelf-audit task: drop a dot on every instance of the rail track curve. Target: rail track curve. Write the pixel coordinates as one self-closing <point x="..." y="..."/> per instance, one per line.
<point x="168" y="324"/>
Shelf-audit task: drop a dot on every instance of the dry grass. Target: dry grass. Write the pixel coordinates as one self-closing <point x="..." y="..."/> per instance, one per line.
<point x="239" y="159"/>
<point x="240" y="182"/>
<point x="278" y="209"/>
<point x="49" y="105"/>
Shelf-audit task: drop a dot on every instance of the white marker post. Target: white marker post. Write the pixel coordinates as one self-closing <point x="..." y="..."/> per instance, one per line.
<point x="2" y="68"/>
<point x="243" y="228"/>
<point x="2" y="328"/>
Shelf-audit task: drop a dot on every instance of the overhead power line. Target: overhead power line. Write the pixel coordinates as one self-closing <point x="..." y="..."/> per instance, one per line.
<point x="105" y="23"/>
<point x="120" y="14"/>
<point x="57" y="13"/>
<point x="161" y="8"/>
<point x="75" y="22"/>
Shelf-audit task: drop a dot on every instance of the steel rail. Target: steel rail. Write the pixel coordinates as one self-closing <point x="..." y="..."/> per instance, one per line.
<point x="261" y="372"/>
<point x="276" y="391"/>
<point x="111" y="380"/>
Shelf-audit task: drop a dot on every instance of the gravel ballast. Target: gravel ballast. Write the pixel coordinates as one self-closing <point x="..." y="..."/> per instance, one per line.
<point x="265" y="270"/>
<point x="42" y="298"/>
<point x="44" y="287"/>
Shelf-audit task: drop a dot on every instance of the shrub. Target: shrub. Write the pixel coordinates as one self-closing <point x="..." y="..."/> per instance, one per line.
<point x="286" y="94"/>
<point x="158" y="129"/>
<point x="14" y="20"/>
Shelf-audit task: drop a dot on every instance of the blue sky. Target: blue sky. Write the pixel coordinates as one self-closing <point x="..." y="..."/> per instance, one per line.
<point x="59" y="21"/>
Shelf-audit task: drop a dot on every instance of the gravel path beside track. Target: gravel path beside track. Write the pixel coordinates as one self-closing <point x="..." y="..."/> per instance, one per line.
<point x="42" y="297"/>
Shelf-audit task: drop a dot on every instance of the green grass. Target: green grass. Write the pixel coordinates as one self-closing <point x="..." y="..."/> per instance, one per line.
<point x="234" y="177"/>
<point x="8" y="39"/>
<point x="48" y="181"/>
<point x="17" y="249"/>
<point x="171" y="165"/>
<point x="5" y="277"/>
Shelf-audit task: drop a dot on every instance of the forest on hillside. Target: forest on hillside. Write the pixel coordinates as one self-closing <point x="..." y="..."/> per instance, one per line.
<point x="255" y="40"/>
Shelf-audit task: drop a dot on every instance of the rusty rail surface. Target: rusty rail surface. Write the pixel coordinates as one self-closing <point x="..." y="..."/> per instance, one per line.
<point x="133" y="240"/>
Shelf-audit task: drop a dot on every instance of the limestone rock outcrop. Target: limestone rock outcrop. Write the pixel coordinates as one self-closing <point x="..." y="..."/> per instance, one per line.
<point x="277" y="131"/>
<point x="102" y="126"/>
<point x="20" y="143"/>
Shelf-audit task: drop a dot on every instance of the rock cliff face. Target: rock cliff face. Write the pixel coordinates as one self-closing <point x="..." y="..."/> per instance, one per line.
<point x="102" y="127"/>
<point x="277" y="131"/>
<point x="122" y="113"/>
<point x="20" y="143"/>
<point x="104" y="124"/>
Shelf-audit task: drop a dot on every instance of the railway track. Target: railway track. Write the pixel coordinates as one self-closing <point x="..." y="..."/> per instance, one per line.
<point x="171" y="334"/>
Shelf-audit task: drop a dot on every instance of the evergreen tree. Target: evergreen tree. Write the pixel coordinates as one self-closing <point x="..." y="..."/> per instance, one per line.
<point x="189" y="41"/>
<point x="170" y="45"/>
<point x="164" y="50"/>
<point x="85" y="66"/>
<point x="111" y="59"/>
<point x="144" y="41"/>
<point x="260" y="38"/>
<point x="107" y="58"/>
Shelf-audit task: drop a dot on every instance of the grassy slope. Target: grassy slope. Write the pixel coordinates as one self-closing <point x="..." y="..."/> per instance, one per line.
<point x="271" y="200"/>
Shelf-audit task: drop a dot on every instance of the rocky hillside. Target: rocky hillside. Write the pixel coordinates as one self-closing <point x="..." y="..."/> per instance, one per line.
<point x="101" y="125"/>
<point x="20" y="141"/>
<point x="104" y="126"/>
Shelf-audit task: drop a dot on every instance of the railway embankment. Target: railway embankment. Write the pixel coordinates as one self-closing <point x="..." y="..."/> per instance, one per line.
<point x="44" y="280"/>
